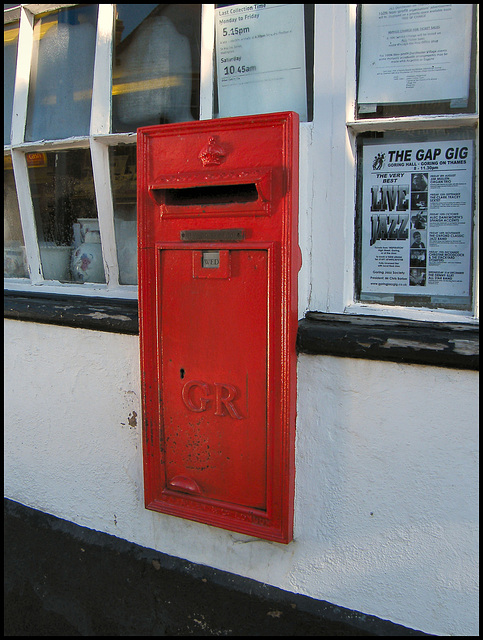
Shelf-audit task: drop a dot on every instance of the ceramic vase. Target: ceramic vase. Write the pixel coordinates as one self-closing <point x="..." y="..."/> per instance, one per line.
<point x="87" y="264"/>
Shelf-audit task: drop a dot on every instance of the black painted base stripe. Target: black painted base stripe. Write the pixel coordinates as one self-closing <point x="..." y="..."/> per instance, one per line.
<point x="63" y="579"/>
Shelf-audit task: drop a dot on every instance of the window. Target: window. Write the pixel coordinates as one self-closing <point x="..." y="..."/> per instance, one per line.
<point x="15" y="263"/>
<point x="155" y="70"/>
<point x="414" y="134"/>
<point x="79" y="80"/>
<point x="70" y="142"/>
<point x="10" y="42"/>
<point x="70" y="138"/>
<point x="59" y="101"/>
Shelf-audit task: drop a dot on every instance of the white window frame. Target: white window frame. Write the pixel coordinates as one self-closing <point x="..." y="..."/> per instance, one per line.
<point x="331" y="248"/>
<point x="98" y="142"/>
<point x="327" y="164"/>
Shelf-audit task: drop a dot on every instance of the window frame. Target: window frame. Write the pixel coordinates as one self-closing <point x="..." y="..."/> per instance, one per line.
<point x="357" y="126"/>
<point x="98" y="141"/>
<point x="333" y="322"/>
<point x="325" y="283"/>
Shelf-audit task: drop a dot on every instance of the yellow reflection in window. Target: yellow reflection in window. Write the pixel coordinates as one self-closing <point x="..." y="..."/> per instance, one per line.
<point x="146" y="85"/>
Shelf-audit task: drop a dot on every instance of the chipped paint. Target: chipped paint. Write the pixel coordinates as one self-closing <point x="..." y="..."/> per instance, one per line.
<point x="412" y="344"/>
<point x="466" y="347"/>
<point x="98" y="315"/>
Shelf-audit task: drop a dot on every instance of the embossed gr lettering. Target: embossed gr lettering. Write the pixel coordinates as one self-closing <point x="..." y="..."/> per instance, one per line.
<point x="197" y="395"/>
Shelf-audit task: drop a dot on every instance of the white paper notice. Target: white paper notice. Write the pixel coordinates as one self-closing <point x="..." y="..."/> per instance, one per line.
<point x="409" y="53"/>
<point x="417" y="218"/>
<point x="260" y="58"/>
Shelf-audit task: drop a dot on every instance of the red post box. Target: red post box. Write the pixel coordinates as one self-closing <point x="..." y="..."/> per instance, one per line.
<point x="218" y="264"/>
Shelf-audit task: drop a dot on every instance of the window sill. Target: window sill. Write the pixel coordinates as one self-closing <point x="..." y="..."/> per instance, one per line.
<point x="98" y="313"/>
<point x="454" y="345"/>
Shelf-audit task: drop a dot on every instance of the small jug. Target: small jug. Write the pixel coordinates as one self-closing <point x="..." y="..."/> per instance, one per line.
<point x="87" y="264"/>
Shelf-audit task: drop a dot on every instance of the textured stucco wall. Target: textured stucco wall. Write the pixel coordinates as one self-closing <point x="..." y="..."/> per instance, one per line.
<point x="386" y="474"/>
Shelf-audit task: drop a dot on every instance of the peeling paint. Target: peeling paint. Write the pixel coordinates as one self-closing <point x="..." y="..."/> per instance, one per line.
<point x="98" y="315"/>
<point x="466" y="347"/>
<point x="275" y="614"/>
<point x="413" y="344"/>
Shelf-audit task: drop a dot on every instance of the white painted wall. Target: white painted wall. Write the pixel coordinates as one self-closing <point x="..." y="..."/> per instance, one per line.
<point x="386" y="483"/>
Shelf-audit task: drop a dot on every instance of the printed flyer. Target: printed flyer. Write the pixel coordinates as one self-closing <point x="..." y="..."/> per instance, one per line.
<point x="409" y="53"/>
<point x="417" y="219"/>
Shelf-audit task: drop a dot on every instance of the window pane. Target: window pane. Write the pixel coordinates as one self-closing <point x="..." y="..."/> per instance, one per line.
<point x="14" y="246"/>
<point x="123" y="178"/>
<point x="60" y="90"/>
<point x="415" y="207"/>
<point x="10" y="41"/>
<point x="65" y="210"/>
<point x="156" y="65"/>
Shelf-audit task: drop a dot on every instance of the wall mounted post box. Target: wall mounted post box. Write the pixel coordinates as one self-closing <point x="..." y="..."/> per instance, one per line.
<point x="218" y="263"/>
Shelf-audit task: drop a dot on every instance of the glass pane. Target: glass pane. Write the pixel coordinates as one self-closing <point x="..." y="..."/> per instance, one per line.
<point x="14" y="262"/>
<point x="123" y="178"/>
<point x="415" y="207"/>
<point x="60" y="90"/>
<point x="65" y="211"/>
<point x="10" y="40"/>
<point x="416" y="59"/>
<point x="156" y="65"/>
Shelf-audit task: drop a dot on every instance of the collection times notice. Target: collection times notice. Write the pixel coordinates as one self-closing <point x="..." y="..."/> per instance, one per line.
<point x="260" y="59"/>
<point x="417" y="218"/>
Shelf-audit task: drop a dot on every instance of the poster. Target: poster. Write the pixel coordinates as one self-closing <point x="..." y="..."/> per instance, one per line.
<point x="260" y="59"/>
<point x="409" y="53"/>
<point x="417" y="219"/>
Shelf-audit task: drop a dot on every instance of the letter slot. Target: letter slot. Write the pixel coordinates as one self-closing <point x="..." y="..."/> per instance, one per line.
<point x="209" y="195"/>
<point x="218" y="264"/>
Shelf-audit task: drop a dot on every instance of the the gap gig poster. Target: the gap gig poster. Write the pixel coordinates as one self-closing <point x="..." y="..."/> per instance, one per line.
<point x="417" y="218"/>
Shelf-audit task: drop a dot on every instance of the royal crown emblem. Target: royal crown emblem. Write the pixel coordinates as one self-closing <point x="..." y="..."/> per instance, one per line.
<point x="211" y="154"/>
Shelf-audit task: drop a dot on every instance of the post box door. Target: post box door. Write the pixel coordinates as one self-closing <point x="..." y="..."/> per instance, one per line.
<point x="218" y="262"/>
<point x="214" y="388"/>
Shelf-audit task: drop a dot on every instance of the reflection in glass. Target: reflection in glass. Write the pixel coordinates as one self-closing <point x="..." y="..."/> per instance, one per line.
<point x="123" y="179"/>
<point x="155" y="75"/>
<point x="14" y="262"/>
<point x="60" y="89"/>
<point x="65" y="211"/>
<point x="10" y="41"/>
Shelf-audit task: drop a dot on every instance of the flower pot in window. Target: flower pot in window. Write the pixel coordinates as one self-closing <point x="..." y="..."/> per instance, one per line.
<point x="55" y="261"/>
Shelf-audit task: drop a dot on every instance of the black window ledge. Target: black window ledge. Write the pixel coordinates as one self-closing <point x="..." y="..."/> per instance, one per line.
<point x="453" y="345"/>
<point x="101" y="314"/>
